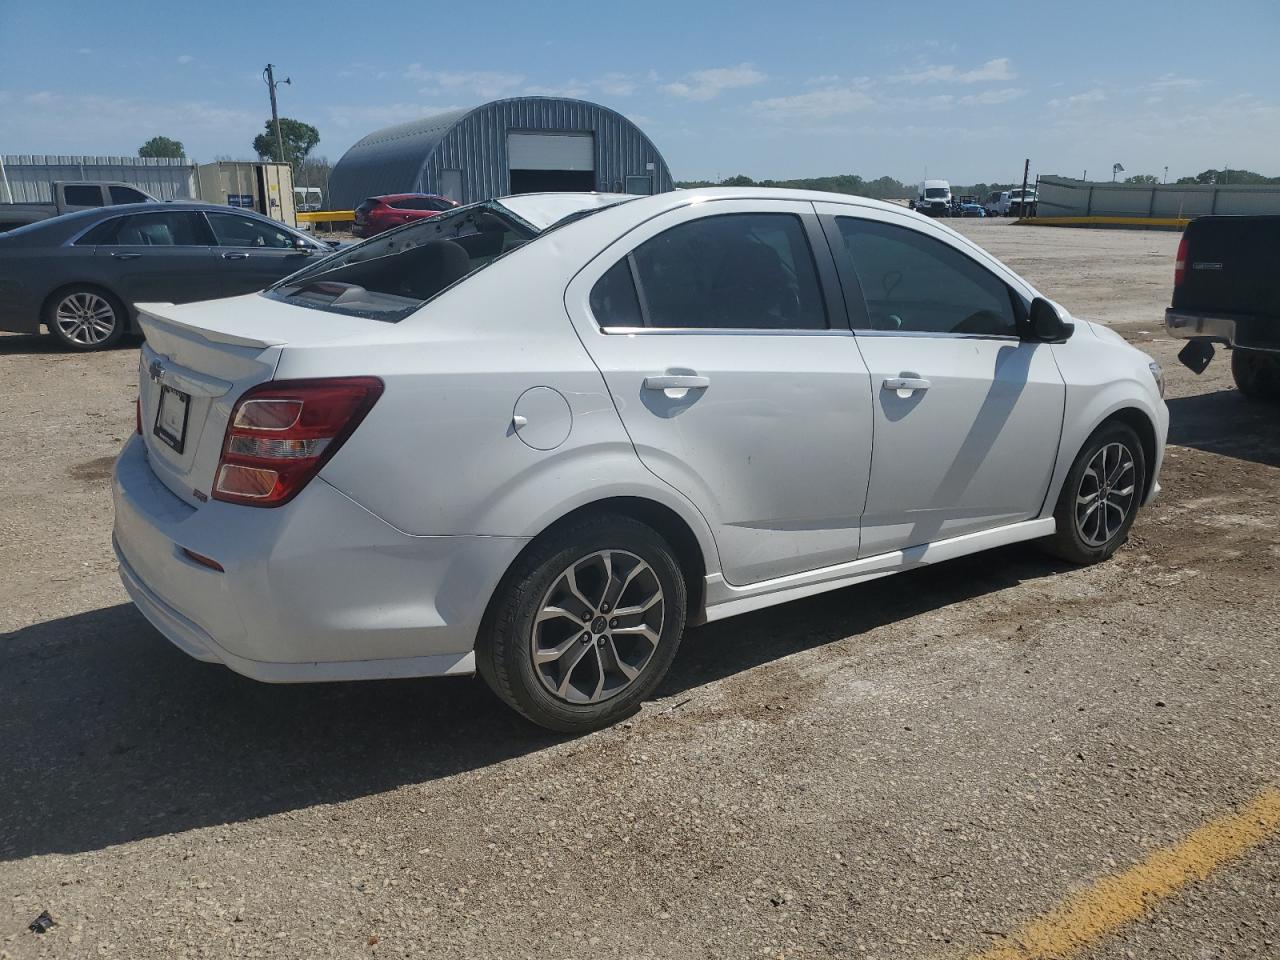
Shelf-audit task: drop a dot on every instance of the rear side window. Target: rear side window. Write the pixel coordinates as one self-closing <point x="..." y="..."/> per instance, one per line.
<point x="914" y="283"/>
<point x="126" y="195"/>
<point x="750" y="271"/>
<point x="419" y="203"/>
<point x="168" y="229"/>
<point x="82" y="196"/>
<point x="613" y="299"/>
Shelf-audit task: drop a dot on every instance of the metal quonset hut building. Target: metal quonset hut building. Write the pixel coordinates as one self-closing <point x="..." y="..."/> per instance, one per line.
<point x="521" y="145"/>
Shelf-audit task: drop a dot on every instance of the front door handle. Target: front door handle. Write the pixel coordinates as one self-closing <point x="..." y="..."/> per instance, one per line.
<point x="906" y="384"/>
<point x="677" y="382"/>
<point x="126" y="256"/>
<point x="235" y="256"/>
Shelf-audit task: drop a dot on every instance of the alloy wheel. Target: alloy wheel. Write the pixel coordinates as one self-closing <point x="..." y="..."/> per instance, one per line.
<point x="598" y="627"/>
<point x="85" y="318"/>
<point x="1106" y="494"/>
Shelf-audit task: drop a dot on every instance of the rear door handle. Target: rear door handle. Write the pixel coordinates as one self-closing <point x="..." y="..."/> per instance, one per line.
<point x="235" y="256"/>
<point x="907" y="384"/>
<point x="126" y="256"/>
<point x="677" y="382"/>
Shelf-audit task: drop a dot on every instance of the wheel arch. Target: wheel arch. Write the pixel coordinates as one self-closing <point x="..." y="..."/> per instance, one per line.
<point x="659" y="517"/>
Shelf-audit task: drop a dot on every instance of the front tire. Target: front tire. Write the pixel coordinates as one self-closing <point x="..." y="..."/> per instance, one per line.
<point x="585" y="625"/>
<point x="85" y="318"/>
<point x="1257" y="375"/>
<point x="1100" y="496"/>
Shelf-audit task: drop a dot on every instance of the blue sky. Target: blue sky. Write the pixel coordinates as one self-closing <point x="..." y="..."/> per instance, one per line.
<point x="767" y="89"/>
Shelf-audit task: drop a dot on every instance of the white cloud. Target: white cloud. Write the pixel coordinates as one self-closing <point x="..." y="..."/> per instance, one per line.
<point x="997" y="69"/>
<point x="988" y="97"/>
<point x="185" y="58"/>
<point x="709" y="84"/>
<point x="85" y="50"/>
<point x="365" y="119"/>
<point x="1171" y="83"/>
<point x="482" y="83"/>
<point x="573" y="89"/>
<point x="616" y="84"/>
<point x="1077" y="100"/>
<point x="816" y="104"/>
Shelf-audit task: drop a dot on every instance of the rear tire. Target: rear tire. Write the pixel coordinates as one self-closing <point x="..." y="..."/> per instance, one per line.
<point x="1256" y="374"/>
<point x="1100" y="496"/>
<point x="562" y="646"/>
<point x="85" y="318"/>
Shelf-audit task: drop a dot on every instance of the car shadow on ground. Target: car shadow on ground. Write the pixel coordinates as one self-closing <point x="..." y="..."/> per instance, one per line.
<point x="109" y="734"/>
<point x="32" y="344"/>
<point x="1225" y="423"/>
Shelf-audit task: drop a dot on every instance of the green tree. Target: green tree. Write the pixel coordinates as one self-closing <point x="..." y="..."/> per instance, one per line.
<point x="299" y="140"/>
<point x="739" y="181"/>
<point x="162" y="147"/>
<point x="1229" y="177"/>
<point x="1142" y="178"/>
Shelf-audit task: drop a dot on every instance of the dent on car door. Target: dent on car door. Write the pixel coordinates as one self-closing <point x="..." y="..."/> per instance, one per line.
<point x="254" y="253"/>
<point x="967" y="415"/>
<point x="161" y="256"/>
<point x="733" y="369"/>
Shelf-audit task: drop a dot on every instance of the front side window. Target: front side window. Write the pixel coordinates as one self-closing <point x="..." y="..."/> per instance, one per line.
<point x="750" y="271"/>
<point x="914" y="283"/>
<point x="234" y="231"/>
<point x="168" y="229"/>
<point x="82" y="196"/>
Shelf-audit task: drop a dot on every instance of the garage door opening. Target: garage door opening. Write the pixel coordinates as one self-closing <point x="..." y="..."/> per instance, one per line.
<point x="538" y="181"/>
<point x="563" y="160"/>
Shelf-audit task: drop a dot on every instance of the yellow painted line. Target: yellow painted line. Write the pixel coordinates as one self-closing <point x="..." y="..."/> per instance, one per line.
<point x="1105" y="221"/>
<point x="1121" y="898"/>
<point x="326" y="216"/>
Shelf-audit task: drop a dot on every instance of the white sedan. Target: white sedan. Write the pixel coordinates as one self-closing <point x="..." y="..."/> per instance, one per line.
<point x="538" y="437"/>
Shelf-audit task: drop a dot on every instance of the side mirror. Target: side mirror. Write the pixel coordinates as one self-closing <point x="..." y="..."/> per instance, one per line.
<point x="1045" y="324"/>
<point x="301" y="245"/>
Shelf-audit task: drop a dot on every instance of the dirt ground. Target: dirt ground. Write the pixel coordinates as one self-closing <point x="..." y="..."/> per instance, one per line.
<point x="912" y="768"/>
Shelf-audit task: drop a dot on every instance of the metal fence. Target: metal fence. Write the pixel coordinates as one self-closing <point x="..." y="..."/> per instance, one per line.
<point x="25" y="178"/>
<point x="1064" y="197"/>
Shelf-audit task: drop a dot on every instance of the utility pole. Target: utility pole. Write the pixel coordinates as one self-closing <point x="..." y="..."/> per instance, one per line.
<point x="1166" y="173"/>
<point x="1026" y="172"/>
<point x="270" y="77"/>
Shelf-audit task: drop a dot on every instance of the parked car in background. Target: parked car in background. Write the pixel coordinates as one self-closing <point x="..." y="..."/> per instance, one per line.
<point x="377" y="214"/>
<point x="70" y="196"/>
<point x="1020" y="203"/>
<point x="934" y="198"/>
<point x="80" y="274"/>
<point x="992" y="204"/>
<point x="1226" y="290"/>
<point x="969" y="207"/>
<point x="536" y="437"/>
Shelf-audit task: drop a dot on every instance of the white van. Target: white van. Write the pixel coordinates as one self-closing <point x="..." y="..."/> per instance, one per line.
<point x="934" y="198"/>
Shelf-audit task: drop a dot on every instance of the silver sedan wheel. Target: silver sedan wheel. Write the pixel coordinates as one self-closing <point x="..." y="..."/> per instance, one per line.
<point x="598" y="627"/>
<point x="1106" y="494"/>
<point x="85" y="318"/>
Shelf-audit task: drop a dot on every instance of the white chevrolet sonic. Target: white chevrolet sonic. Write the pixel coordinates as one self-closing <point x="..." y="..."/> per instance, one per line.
<point x="539" y="436"/>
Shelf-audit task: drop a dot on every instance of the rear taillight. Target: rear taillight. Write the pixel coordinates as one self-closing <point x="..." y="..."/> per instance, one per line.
<point x="283" y="431"/>
<point x="1180" y="262"/>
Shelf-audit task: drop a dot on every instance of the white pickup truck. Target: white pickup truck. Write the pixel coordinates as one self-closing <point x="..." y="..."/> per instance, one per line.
<point x="1010" y="203"/>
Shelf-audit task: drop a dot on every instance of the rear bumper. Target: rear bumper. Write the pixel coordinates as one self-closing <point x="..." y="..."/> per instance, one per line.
<point x="1247" y="332"/>
<point x="319" y="589"/>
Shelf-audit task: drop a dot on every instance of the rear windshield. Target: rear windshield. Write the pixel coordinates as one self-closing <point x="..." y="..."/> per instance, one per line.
<point x="392" y="275"/>
<point x="935" y="191"/>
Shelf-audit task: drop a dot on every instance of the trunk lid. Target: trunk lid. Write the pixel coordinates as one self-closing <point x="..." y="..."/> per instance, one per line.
<point x="210" y="353"/>
<point x="1230" y="267"/>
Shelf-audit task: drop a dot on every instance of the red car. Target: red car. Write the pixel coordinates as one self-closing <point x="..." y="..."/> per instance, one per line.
<point x="382" y="213"/>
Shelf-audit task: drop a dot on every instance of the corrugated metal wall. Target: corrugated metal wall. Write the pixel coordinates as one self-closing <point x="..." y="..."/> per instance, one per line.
<point x="412" y="157"/>
<point x="29" y="175"/>
<point x="1065" y="197"/>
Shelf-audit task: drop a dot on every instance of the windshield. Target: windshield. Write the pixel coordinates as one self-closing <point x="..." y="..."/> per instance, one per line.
<point x="389" y="276"/>
<point x="934" y="192"/>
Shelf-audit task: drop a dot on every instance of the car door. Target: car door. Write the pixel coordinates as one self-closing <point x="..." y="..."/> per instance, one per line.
<point x="163" y="256"/>
<point x="254" y="252"/>
<point x="735" y="374"/>
<point x="967" y="414"/>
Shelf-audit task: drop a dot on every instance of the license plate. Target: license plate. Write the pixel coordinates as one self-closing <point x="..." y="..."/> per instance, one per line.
<point x="171" y="418"/>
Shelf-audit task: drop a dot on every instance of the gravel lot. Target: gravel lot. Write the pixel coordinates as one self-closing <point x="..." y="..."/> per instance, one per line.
<point x="909" y="768"/>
